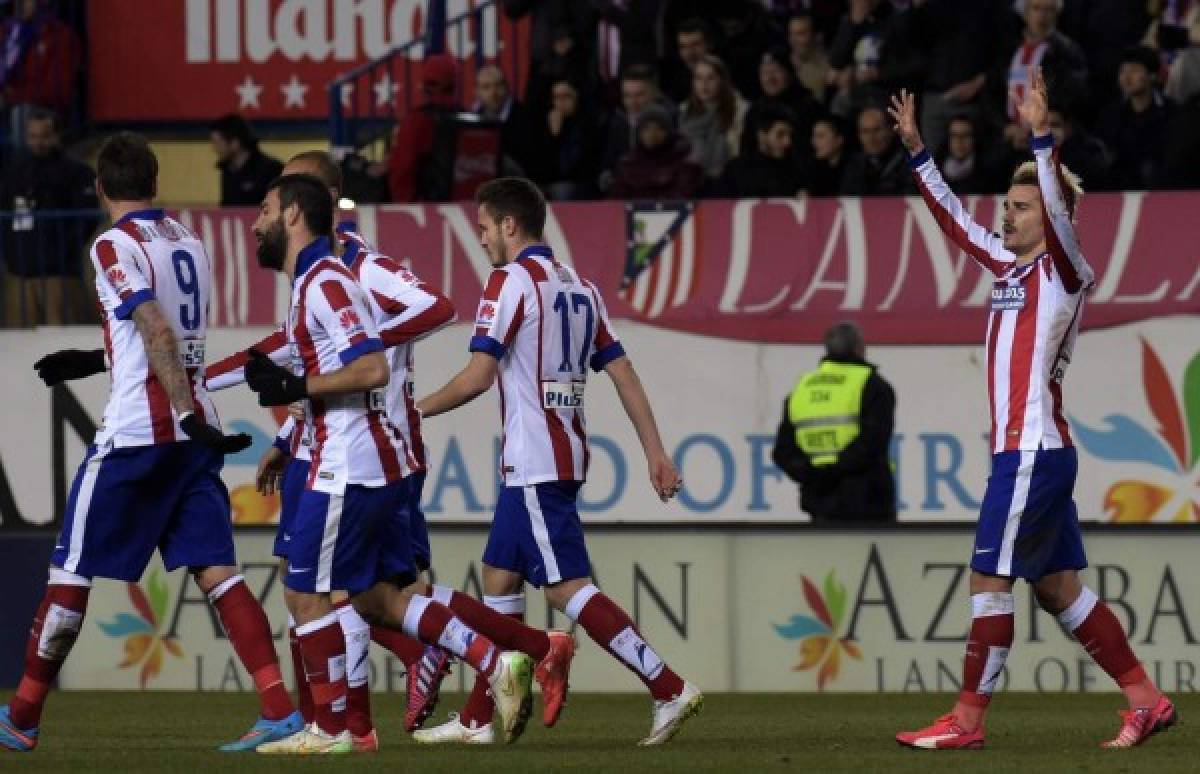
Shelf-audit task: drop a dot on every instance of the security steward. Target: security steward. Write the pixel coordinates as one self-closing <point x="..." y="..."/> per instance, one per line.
<point x="835" y="435"/>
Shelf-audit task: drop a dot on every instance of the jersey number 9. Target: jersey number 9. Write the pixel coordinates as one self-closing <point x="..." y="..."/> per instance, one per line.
<point x="189" y="285"/>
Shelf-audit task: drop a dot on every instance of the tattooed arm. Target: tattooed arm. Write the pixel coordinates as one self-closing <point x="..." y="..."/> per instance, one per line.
<point x="162" y="352"/>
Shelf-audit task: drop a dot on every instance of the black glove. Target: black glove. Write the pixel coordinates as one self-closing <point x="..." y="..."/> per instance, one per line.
<point x="211" y="437"/>
<point x="275" y="385"/>
<point x="68" y="364"/>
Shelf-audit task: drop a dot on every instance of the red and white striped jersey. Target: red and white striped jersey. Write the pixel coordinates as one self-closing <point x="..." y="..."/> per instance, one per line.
<point x="546" y="326"/>
<point x="147" y="256"/>
<point x="1036" y="307"/>
<point x="1025" y="60"/>
<point x="329" y="326"/>
<point x="405" y="310"/>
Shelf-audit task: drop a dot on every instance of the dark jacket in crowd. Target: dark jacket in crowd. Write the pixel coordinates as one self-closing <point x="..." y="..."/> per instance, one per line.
<point x="46" y="246"/>
<point x="663" y="173"/>
<point x="884" y="175"/>
<point x="859" y="486"/>
<point x="753" y="174"/>
<point x="1182" y="166"/>
<point x="1137" y="141"/>
<point x="247" y="185"/>
<point x="824" y="179"/>
<point x="570" y="161"/>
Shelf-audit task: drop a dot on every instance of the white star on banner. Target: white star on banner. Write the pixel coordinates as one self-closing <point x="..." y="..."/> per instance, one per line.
<point x="385" y="90"/>
<point x="347" y="95"/>
<point x="293" y="93"/>
<point x="248" y="91"/>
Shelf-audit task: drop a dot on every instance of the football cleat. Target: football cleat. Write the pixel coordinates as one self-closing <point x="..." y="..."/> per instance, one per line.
<point x="367" y="743"/>
<point x="552" y="674"/>
<point x="944" y="734"/>
<point x="1140" y="724"/>
<point x="511" y="683"/>
<point x="424" y="684"/>
<point x="265" y="731"/>
<point x="453" y="731"/>
<point x="310" y="741"/>
<point x="669" y="716"/>
<point x="13" y="738"/>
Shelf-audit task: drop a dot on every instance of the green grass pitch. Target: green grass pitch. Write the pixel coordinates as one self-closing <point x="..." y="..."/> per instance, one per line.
<point x="743" y="733"/>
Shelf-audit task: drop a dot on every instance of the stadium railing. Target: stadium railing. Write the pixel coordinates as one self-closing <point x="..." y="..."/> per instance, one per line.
<point x="44" y="267"/>
<point x="357" y="115"/>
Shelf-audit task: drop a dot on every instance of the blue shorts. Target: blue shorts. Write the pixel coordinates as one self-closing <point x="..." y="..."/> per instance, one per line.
<point x="537" y="534"/>
<point x="411" y="488"/>
<point x="349" y="542"/>
<point x="127" y="501"/>
<point x="295" y="476"/>
<point x="1028" y="527"/>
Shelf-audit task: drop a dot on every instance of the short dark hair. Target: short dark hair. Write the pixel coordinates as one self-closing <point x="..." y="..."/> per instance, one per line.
<point x="844" y="340"/>
<point x="43" y="114"/>
<point x="127" y="169"/>
<point x="640" y="71"/>
<point x="693" y="25"/>
<point x="234" y="127"/>
<point x="835" y="122"/>
<point x="327" y="170"/>
<point x="516" y="198"/>
<point x="771" y="114"/>
<point x="311" y="195"/>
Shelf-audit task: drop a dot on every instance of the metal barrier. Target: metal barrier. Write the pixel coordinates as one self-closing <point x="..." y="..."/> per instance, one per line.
<point x="366" y="102"/>
<point x="44" y="267"/>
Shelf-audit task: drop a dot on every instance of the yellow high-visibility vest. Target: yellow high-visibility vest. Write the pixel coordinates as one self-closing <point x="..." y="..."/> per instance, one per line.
<point x="824" y="409"/>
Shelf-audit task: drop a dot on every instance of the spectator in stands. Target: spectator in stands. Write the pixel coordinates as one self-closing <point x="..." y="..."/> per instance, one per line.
<point x="1182" y="166"/>
<point x="712" y="117"/>
<point x="856" y="55"/>
<point x="494" y="101"/>
<point x="830" y="155"/>
<point x="807" y="55"/>
<point x="879" y="169"/>
<point x="568" y="146"/>
<point x="1104" y="29"/>
<point x="639" y="90"/>
<point x="1039" y="44"/>
<point x="414" y="171"/>
<point x="769" y="168"/>
<point x="957" y="39"/>
<point x="836" y="432"/>
<point x="963" y="162"/>
<point x="42" y="256"/>
<point x="561" y="45"/>
<point x="1135" y="125"/>
<point x="746" y="31"/>
<point x="245" y="170"/>
<point x="659" y="166"/>
<point x="693" y="41"/>
<point x="1081" y="152"/>
<point x="779" y="88"/>
<point x="41" y="64"/>
<point x="628" y="34"/>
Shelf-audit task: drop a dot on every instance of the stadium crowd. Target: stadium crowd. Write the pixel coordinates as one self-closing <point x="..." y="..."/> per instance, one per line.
<point x="726" y="98"/>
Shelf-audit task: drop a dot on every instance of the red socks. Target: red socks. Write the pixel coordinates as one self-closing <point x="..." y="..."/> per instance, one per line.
<point x="323" y="646"/>
<point x="433" y="623"/>
<point x="303" y="690"/>
<point x="988" y="644"/>
<point x="358" y="692"/>
<point x="507" y="631"/>
<point x="54" y="630"/>
<point x="479" y="707"/>
<point x="1100" y="633"/>
<point x="400" y="644"/>
<point x="246" y="625"/>
<point x="613" y="630"/>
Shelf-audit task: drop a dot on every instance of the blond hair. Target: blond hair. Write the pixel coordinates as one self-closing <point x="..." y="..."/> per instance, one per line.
<point x="1072" y="186"/>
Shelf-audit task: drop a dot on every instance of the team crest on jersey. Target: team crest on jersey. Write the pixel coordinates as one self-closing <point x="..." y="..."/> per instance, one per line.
<point x="349" y="321"/>
<point x="1005" y="297"/>
<point x="487" y="313"/>
<point x="116" y="275"/>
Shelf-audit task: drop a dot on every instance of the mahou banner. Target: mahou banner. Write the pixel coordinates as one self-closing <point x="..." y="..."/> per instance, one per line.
<point x="767" y="270"/>
<point x="194" y="60"/>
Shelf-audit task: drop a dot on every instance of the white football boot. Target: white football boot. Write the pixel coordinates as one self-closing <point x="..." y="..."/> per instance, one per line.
<point x="309" y="741"/>
<point x="669" y="716"/>
<point x="454" y="732"/>
<point x="511" y="683"/>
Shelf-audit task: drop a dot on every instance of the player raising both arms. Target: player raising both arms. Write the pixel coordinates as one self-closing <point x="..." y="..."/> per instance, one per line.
<point x="539" y="327"/>
<point x="151" y="478"/>
<point x="1028" y="527"/>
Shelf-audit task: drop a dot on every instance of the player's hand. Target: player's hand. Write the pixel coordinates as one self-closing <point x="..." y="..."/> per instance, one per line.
<point x="68" y="364"/>
<point x="211" y="437"/>
<point x="664" y="477"/>
<point x="269" y="478"/>
<point x="275" y="385"/>
<point x="904" y="113"/>
<point x="1035" y="107"/>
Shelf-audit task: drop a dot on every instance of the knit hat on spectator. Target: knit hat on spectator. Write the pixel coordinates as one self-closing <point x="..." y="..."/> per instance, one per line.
<point x="656" y="114"/>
